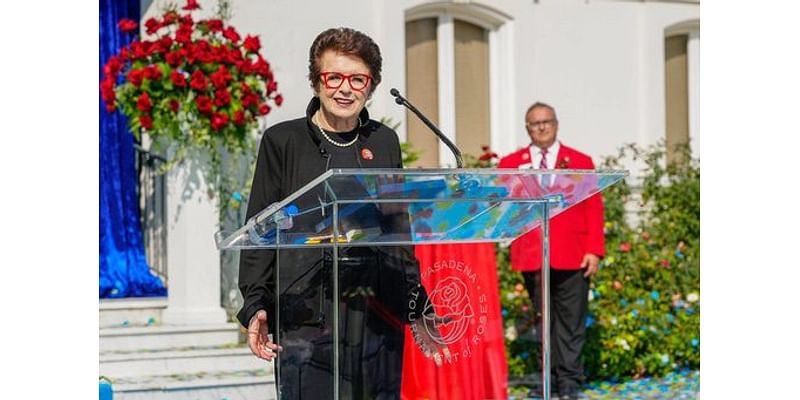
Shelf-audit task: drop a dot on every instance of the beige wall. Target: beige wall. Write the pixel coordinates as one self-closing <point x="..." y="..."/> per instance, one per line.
<point x="472" y="87"/>
<point x="676" y="94"/>
<point x="422" y="83"/>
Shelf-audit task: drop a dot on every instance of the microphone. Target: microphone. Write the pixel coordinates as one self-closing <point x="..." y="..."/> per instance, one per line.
<point x="402" y="101"/>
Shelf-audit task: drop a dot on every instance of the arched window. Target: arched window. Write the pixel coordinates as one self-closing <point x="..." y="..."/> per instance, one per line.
<point x="682" y="87"/>
<point x="457" y="64"/>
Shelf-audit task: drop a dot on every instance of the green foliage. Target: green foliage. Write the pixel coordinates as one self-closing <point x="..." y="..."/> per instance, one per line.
<point x="645" y="299"/>
<point x="644" y="309"/>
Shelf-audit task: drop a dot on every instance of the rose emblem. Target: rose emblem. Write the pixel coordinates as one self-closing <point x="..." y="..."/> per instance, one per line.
<point x="452" y="311"/>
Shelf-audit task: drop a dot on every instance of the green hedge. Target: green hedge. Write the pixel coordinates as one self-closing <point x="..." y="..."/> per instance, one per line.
<point x="644" y="308"/>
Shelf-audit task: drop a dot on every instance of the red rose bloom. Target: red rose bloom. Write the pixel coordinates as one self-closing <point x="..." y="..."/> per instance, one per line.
<point x="152" y="72"/>
<point x="177" y="78"/>
<point x="665" y="263"/>
<point x="219" y="120"/>
<point x="184" y="34"/>
<point x="187" y="20"/>
<point x="221" y="77"/>
<point x="152" y="25"/>
<point x="143" y="104"/>
<point x="127" y="25"/>
<point x="222" y="97"/>
<point x="138" y="51"/>
<point x="272" y="86"/>
<point x="279" y="101"/>
<point x="165" y="43"/>
<point x="191" y="5"/>
<point x="146" y="121"/>
<point x="261" y="66"/>
<point x="251" y="99"/>
<point x="231" y="34"/>
<point x="264" y="109"/>
<point x="487" y="156"/>
<point x="135" y="77"/>
<point x="252" y="43"/>
<point x="233" y="56"/>
<point x="170" y="18"/>
<point x="244" y="67"/>
<point x="174" y="105"/>
<point x="107" y="90"/>
<point x="238" y="118"/>
<point x="214" y="25"/>
<point x="199" y="81"/>
<point x="112" y="67"/>
<point x="203" y="104"/>
<point x="173" y="58"/>
<point x="625" y="247"/>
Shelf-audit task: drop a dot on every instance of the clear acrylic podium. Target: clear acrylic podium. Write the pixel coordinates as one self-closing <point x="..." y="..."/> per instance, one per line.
<point x="328" y="235"/>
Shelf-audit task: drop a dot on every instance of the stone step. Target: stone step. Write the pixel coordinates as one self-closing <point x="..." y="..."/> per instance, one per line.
<point x="256" y="384"/>
<point x="179" y="361"/>
<point x="167" y="337"/>
<point x="131" y="311"/>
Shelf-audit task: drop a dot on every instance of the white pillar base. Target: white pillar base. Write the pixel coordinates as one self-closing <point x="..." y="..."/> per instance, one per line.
<point x="193" y="261"/>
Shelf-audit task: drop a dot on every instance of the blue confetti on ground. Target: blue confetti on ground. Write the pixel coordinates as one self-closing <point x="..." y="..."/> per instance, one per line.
<point x="681" y="385"/>
<point x="676" y="385"/>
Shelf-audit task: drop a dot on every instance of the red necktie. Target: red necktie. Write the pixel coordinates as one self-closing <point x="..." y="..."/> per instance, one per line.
<point x="543" y="165"/>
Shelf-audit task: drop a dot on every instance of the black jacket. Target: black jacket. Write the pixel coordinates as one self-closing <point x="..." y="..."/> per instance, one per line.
<point x="290" y="155"/>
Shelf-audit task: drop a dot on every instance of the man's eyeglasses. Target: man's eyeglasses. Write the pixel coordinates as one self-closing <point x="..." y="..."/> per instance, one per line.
<point x="334" y="80"/>
<point x="544" y="124"/>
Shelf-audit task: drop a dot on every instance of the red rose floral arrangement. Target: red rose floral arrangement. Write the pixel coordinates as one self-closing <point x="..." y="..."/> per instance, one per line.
<point x="191" y="83"/>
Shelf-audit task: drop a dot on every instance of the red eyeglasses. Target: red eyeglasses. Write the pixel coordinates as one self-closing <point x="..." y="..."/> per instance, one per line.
<point x="334" y="80"/>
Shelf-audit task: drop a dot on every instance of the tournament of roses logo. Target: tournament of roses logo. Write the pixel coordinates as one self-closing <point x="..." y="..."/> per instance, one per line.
<point x="456" y="312"/>
<point x="448" y="311"/>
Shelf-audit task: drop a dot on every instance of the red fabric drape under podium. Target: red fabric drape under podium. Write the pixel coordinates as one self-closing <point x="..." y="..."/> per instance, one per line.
<point x="461" y="281"/>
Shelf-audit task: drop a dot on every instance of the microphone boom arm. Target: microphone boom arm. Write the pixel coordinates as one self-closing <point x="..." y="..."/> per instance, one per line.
<point x="402" y="101"/>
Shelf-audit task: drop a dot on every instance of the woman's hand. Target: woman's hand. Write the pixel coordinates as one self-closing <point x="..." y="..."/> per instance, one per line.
<point x="258" y="338"/>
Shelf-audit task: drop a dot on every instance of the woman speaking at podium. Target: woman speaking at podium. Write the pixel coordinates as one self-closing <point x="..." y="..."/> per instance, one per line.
<point x="376" y="284"/>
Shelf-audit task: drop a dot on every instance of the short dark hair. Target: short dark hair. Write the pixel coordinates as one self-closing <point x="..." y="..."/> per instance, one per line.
<point x="539" y="104"/>
<point x="347" y="41"/>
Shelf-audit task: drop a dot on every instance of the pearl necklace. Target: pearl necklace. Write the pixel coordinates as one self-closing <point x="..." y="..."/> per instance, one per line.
<point x="331" y="141"/>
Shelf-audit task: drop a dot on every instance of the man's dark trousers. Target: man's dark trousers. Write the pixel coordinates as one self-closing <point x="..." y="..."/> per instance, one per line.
<point x="569" y="298"/>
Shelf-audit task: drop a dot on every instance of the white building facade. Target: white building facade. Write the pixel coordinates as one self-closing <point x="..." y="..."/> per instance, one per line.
<point x="600" y="63"/>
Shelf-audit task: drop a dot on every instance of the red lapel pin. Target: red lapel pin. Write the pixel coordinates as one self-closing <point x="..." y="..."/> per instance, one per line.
<point x="367" y="154"/>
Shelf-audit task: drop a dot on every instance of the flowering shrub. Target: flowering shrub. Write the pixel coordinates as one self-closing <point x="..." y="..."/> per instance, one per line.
<point x="198" y="84"/>
<point x="644" y="308"/>
<point x="644" y="313"/>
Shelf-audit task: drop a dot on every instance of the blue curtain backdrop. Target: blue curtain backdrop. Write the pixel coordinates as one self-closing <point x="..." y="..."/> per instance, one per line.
<point x="123" y="267"/>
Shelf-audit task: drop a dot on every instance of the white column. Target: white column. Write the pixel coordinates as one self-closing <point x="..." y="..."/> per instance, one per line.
<point x="445" y="39"/>
<point x="192" y="258"/>
<point x="504" y="123"/>
<point x="693" y="59"/>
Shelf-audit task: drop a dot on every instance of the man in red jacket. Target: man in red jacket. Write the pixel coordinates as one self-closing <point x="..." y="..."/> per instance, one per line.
<point x="576" y="246"/>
